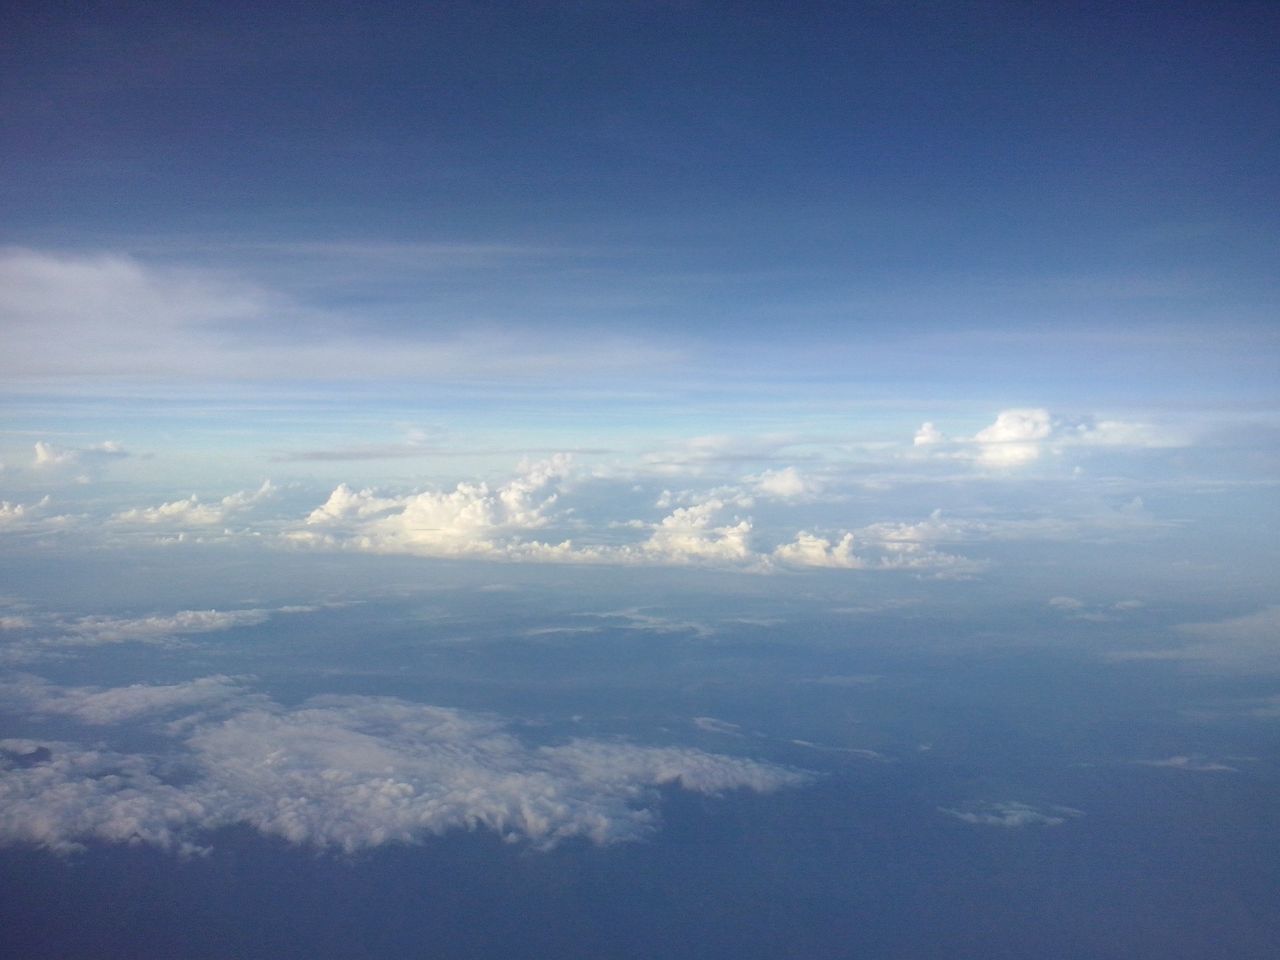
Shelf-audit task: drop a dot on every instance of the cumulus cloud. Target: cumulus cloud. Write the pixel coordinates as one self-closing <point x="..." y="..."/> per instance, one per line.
<point x="809" y="550"/>
<point x="1013" y="813"/>
<point x="785" y="484"/>
<point x="15" y="514"/>
<point x="691" y="534"/>
<point x="191" y="512"/>
<point x="471" y="519"/>
<point x="1021" y="435"/>
<point x="347" y="772"/>
<point x="49" y="456"/>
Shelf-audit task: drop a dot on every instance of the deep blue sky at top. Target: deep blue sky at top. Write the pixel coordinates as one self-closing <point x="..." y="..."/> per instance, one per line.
<point x="825" y="173"/>
<point x="812" y="136"/>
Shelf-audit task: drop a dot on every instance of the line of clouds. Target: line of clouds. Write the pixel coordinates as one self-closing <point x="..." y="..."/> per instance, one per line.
<point x="345" y="772"/>
<point x="1020" y="436"/>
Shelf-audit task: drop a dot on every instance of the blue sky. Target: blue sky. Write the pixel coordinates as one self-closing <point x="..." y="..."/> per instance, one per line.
<point x="798" y="429"/>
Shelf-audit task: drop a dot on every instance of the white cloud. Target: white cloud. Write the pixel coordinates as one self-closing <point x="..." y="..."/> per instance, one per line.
<point x="111" y="314"/>
<point x="1013" y="813"/>
<point x="98" y="706"/>
<point x="785" y="484"/>
<point x="350" y="772"/>
<point x="471" y="519"/>
<point x="157" y="628"/>
<point x="1021" y="435"/>
<point x="809" y="550"/>
<point x="13" y="514"/>
<point x="690" y="535"/>
<point x="191" y="512"/>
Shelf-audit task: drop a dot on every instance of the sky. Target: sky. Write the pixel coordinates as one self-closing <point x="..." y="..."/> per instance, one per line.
<point x="532" y="443"/>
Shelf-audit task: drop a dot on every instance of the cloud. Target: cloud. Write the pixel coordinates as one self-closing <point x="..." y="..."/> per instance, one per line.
<point x="72" y="315"/>
<point x="1246" y="644"/>
<point x="809" y="550"/>
<point x="471" y="519"/>
<point x="98" y="706"/>
<point x="80" y="464"/>
<point x="690" y="535"/>
<point x="52" y="636"/>
<point x="1191" y="764"/>
<point x="1021" y="435"/>
<point x="1013" y="813"/>
<point x="191" y="512"/>
<point x="348" y="772"/>
<point x="785" y="484"/>
<point x="15" y="514"/>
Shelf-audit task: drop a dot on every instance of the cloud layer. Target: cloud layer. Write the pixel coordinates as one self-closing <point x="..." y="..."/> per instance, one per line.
<point x="344" y="772"/>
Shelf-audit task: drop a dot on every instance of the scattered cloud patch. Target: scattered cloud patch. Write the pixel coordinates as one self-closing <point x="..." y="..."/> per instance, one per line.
<point x="191" y="512"/>
<point x="1022" y="435"/>
<point x="1191" y="764"/>
<point x="343" y="772"/>
<point x="1012" y="814"/>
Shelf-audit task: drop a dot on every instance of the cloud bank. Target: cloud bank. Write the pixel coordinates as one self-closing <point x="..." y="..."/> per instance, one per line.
<point x="343" y="772"/>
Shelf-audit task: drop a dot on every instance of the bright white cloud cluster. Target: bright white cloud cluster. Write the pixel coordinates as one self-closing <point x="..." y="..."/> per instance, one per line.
<point x="191" y="512"/>
<point x="348" y="772"/>
<point x="1020" y="436"/>
<point x="472" y="519"/>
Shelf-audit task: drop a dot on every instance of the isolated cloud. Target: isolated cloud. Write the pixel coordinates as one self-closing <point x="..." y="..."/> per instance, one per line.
<point x="1013" y="813"/>
<point x="347" y="772"/>
<point x="1191" y="764"/>
<point x="809" y="550"/>
<point x="785" y="484"/>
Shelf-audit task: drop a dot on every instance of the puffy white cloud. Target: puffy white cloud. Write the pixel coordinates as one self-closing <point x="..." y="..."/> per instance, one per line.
<point x="14" y="514"/>
<point x="191" y="512"/>
<point x="1014" y="438"/>
<point x="473" y="518"/>
<point x="1013" y="813"/>
<point x="928" y="435"/>
<point x="351" y="772"/>
<point x="690" y="535"/>
<point x="785" y="484"/>
<point x="1021" y="435"/>
<point x="809" y="550"/>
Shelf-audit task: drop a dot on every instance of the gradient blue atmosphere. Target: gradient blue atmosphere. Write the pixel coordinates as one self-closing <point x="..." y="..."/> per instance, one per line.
<point x="550" y="480"/>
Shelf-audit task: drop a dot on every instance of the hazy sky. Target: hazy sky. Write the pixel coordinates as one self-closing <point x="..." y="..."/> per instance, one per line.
<point x="556" y="404"/>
